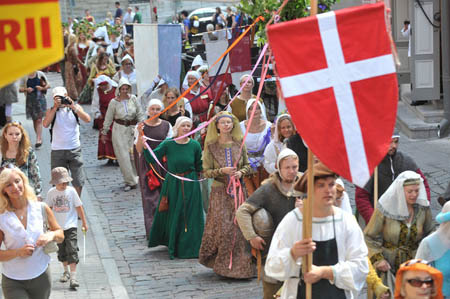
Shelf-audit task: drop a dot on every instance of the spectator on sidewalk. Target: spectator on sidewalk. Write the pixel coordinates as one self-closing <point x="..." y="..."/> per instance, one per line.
<point x="128" y="20"/>
<point x="126" y="112"/>
<point x="119" y="12"/>
<point x="137" y="16"/>
<point x="16" y="150"/>
<point x="25" y="266"/>
<point x="390" y="167"/>
<point x="67" y="207"/>
<point x="35" y="87"/>
<point x="8" y="96"/>
<point x="88" y="17"/>
<point x="63" y="120"/>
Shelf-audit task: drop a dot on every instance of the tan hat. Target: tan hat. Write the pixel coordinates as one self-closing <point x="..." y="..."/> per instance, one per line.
<point x="320" y="171"/>
<point x="60" y="175"/>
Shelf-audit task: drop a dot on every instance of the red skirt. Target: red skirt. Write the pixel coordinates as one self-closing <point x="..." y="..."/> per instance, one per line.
<point x="105" y="150"/>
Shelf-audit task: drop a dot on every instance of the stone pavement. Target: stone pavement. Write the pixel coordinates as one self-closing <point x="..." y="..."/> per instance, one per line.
<point x="149" y="273"/>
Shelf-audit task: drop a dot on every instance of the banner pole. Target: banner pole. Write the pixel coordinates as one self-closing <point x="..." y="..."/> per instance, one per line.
<point x="307" y="219"/>
<point x="375" y="187"/>
<point x="307" y="209"/>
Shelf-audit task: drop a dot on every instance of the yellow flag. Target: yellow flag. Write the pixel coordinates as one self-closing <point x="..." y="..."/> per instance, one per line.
<point x="30" y="37"/>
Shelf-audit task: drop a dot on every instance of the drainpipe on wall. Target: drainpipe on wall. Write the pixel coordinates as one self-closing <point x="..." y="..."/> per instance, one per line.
<point x="443" y="126"/>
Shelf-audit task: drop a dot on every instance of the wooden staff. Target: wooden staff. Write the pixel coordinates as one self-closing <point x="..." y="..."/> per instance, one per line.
<point x="375" y="187"/>
<point x="307" y="206"/>
<point x="307" y="219"/>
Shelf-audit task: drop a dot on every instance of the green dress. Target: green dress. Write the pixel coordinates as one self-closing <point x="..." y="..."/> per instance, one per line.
<point x="181" y="227"/>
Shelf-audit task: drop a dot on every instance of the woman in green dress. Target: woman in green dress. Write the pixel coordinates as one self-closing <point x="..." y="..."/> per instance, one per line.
<point x="180" y="226"/>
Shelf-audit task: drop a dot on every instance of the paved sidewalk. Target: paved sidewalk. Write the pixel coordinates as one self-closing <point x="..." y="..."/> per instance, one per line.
<point x="116" y="225"/>
<point x="97" y="275"/>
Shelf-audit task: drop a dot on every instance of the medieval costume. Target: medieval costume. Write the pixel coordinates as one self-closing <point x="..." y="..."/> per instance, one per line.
<point x="196" y="63"/>
<point x="295" y="143"/>
<point x="335" y="237"/>
<point x="277" y="201"/>
<point x="275" y="145"/>
<point x="223" y="244"/>
<point x="100" y="102"/>
<point x="180" y="226"/>
<point x="147" y="171"/>
<point x="199" y="100"/>
<point x="344" y="201"/>
<point x="389" y="235"/>
<point x="436" y="248"/>
<point x="131" y="77"/>
<point x="125" y="113"/>
<point x="256" y="144"/>
<point x="74" y="79"/>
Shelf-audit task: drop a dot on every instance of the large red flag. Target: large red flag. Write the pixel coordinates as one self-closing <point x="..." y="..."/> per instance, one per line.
<point x="338" y="79"/>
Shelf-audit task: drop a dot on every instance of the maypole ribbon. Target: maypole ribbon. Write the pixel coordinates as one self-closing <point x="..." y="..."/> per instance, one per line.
<point x="205" y="124"/>
<point x="159" y="163"/>
<point x="218" y="59"/>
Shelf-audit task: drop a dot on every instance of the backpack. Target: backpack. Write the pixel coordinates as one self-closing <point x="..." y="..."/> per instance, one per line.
<point x="53" y="123"/>
<point x="194" y="24"/>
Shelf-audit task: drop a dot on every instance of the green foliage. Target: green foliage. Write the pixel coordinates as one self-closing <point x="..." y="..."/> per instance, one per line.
<point x="294" y="9"/>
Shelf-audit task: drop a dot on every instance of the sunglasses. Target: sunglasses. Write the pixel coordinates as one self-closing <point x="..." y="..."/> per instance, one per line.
<point x="417" y="283"/>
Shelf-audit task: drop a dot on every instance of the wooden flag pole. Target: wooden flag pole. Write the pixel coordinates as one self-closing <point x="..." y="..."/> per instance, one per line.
<point x="375" y="187"/>
<point x="307" y="206"/>
<point x="307" y="219"/>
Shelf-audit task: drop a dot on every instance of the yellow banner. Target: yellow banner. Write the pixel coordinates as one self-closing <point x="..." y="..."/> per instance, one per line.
<point x="30" y="37"/>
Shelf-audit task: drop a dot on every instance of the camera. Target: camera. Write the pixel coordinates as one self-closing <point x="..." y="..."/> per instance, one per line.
<point x="65" y="101"/>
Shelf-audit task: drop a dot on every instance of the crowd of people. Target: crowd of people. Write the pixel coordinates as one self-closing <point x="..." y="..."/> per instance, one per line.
<point x="235" y="204"/>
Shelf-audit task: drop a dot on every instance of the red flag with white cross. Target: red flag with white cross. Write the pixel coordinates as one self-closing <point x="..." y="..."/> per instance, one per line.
<point x="337" y="75"/>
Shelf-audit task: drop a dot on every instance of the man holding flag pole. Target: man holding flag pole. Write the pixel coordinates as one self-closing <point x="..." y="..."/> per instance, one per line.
<point x="347" y="86"/>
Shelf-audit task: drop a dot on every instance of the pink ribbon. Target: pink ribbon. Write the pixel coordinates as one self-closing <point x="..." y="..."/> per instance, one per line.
<point x="205" y="124"/>
<point x="159" y="163"/>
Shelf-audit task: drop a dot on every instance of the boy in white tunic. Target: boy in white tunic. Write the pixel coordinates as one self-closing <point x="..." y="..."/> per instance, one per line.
<point x="67" y="207"/>
<point x="340" y="264"/>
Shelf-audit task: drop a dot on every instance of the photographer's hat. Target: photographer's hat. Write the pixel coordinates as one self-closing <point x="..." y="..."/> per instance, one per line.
<point x="59" y="91"/>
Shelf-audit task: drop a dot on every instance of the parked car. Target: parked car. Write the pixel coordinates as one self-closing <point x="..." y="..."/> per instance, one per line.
<point x="205" y="15"/>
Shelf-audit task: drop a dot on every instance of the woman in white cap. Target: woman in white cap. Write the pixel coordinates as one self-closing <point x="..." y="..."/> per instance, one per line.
<point x="125" y="111"/>
<point x="222" y="145"/>
<point x="157" y="129"/>
<point x="179" y="219"/>
<point x="258" y="138"/>
<point x="104" y="92"/>
<point x="401" y="220"/>
<point x="436" y="248"/>
<point x="127" y="71"/>
<point x="238" y="106"/>
<point x="284" y="128"/>
<point x="196" y="64"/>
<point x="198" y="97"/>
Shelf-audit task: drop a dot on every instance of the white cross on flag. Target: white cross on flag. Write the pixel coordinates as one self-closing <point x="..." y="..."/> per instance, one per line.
<point x="337" y="75"/>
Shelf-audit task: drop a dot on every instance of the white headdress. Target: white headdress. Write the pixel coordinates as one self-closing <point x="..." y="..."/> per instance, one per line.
<point x="178" y="123"/>
<point x="393" y="202"/>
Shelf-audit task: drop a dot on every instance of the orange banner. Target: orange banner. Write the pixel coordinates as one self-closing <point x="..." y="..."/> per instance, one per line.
<point x="30" y="37"/>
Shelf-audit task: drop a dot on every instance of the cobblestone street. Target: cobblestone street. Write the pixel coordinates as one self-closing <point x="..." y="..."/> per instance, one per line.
<point x="120" y="265"/>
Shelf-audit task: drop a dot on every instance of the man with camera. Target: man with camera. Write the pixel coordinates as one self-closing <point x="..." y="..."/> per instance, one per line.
<point x="63" y="120"/>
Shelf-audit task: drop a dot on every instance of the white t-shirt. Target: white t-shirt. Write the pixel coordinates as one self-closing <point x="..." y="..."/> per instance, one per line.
<point x="66" y="131"/>
<point x="63" y="204"/>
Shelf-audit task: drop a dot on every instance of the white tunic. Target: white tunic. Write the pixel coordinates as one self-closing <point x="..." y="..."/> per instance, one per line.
<point x="352" y="268"/>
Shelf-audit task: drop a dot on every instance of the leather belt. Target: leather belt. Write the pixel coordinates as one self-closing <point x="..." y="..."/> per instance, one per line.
<point x="125" y="122"/>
